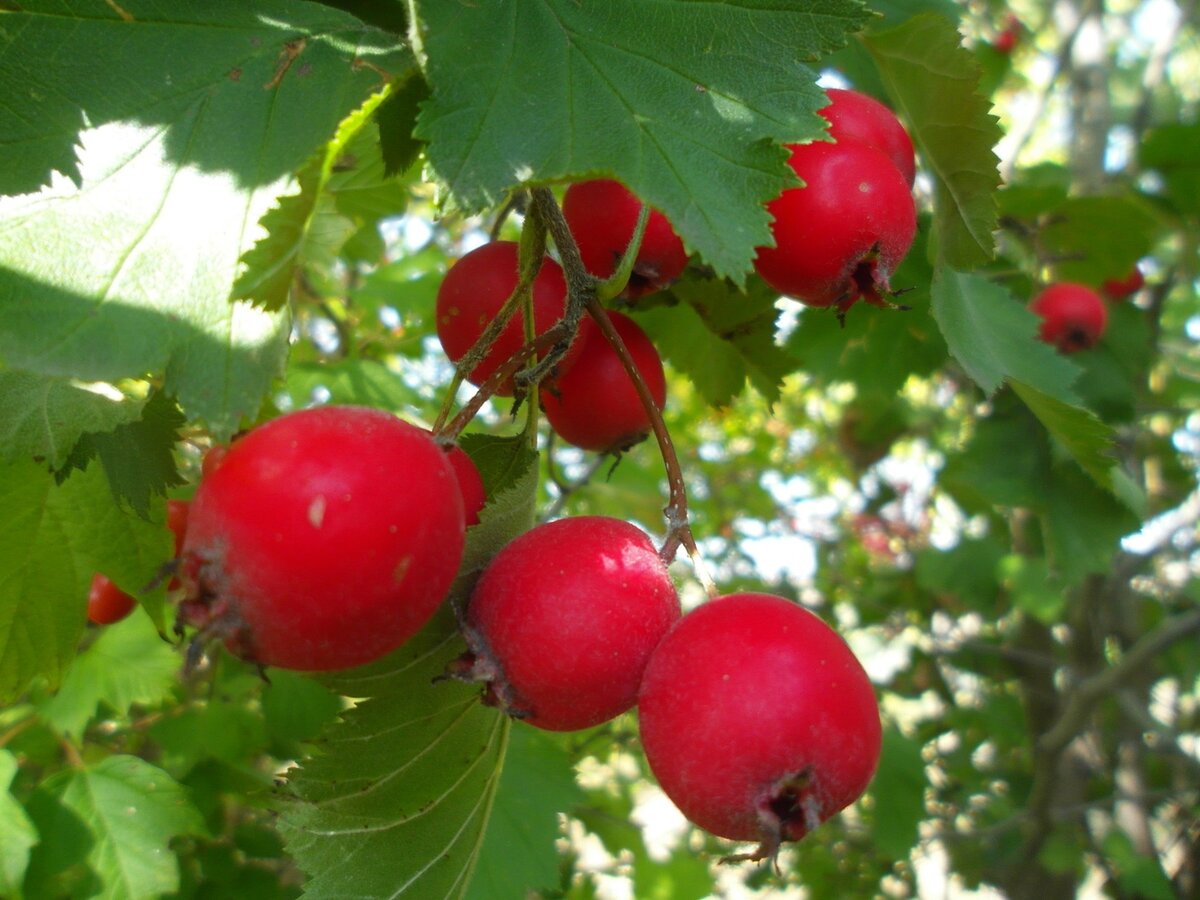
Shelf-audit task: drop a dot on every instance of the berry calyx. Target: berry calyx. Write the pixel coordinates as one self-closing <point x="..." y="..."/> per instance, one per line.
<point x="757" y="720"/>
<point x="1073" y="316"/>
<point x="861" y="119"/>
<point x="563" y="620"/>
<point x="602" y="215"/>
<point x="107" y="603"/>
<point x="839" y="238"/>
<point x="595" y="405"/>
<point x="325" y="539"/>
<point x="473" y="292"/>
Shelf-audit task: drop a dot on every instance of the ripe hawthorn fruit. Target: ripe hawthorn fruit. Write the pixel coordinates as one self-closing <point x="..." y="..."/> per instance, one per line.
<point x="563" y="619"/>
<point x="595" y="405"/>
<point x="839" y="238"/>
<point x="861" y="119"/>
<point x="323" y="540"/>
<point x="177" y="519"/>
<point x="1120" y="288"/>
<point x="473" y="292"/>
<point x="602" y="215"/>
<point x="107" y="603"/>
<point x="470" y="484"/>
<point x="757" y="720"/>
<point x="1073" y="316"/>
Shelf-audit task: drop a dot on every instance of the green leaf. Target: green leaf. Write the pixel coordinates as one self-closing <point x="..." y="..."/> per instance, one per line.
<point x="214" y="109"/>
<point x="207" y="730"/>
<point x="876" y="349"/>
<point x="138" y="457"/>
<point x="307" y="229"/>
<point x="128" y="664"/>
<point x="1090" y="442"/>
<point x="1032" y="587"/>
<point x="1083" y="525"/>
<point x="226" y="87"/>
<point x="131" y="810"/>
<point x="397" y="800"/>
<point x="1174" y="152"/>
<point x="1095" y="238"/>
<point x="53" y="538"/>
<point x="721" y="338"/>
<point x="686" y="103"/>
<point x="363" y="382"/>
<point x="295" y="708"/>
<point x="994" y="338"/>
<point x="965" y="572"/>
<point x="519" y="852"/>
<point x="933" y="82"/>
<point x="898" y="795"/>
<point x="1006" y="463"/>
<point x="44" y="416"/>
<point x="1139" y="875"/>
<point x="397" y="119"/>
<point x="17" y="832"/>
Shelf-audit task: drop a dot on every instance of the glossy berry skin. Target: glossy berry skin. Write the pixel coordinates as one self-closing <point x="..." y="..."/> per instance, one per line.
<point x="757" y="719"/>
<point x="473" y="292"/>
<point x="602" y="215"/>
<point x="861" y="119"/>
<point x="325" y="539"/>
<point x="595" y="405"/>
<point x="564" y="618"/>
<point x="1120" y="288"/>
<point x="107" y="603"/>
<point x="839" y="238"/>
<point x="470" y="484"/>
<point x="1073" y="316"/>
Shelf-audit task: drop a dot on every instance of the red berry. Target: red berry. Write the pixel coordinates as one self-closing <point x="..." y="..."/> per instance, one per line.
<point x="757" y="719"/>
<point x="325" y="539"/>
<point x="595" y="404"/>
<point x="1073" y="316"/>
<point x="1120" y="288"/>
<point x="107" y="603"/>
<point x="212" y="459"/>
<point x="470" y="483"/>
<point x="1009" y="36"/>
<point x="475" y="289"/>
<point x="564" y="618"/>
<point x="177" y="519"/>
<point x="602" y="215"/>
<point x="839" y="238"/>
<point x="861" y="119"/>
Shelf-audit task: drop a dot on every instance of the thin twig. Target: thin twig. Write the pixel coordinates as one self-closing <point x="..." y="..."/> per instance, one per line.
<point x="581" y="289"/>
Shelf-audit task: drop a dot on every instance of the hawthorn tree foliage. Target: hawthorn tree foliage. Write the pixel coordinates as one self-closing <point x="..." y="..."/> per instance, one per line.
<point x="215" y="213"/>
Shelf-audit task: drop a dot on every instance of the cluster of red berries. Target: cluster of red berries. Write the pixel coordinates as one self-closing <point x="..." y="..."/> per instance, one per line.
<point x="755" y="716"/>
<point x="590" y="400"/>
<point x="839" y="238"/>
<point x="1074" y="316"/>
<point x="326" y="538"/>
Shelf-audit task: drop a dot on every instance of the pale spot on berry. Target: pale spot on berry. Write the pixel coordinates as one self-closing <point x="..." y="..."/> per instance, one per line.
<point x="316" y="511"/>
<point x="401" y="570"/>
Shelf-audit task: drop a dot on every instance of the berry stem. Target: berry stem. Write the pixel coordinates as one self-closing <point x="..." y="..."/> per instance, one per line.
<point x="612" y="286"/>
<point x="582" y="291"/>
